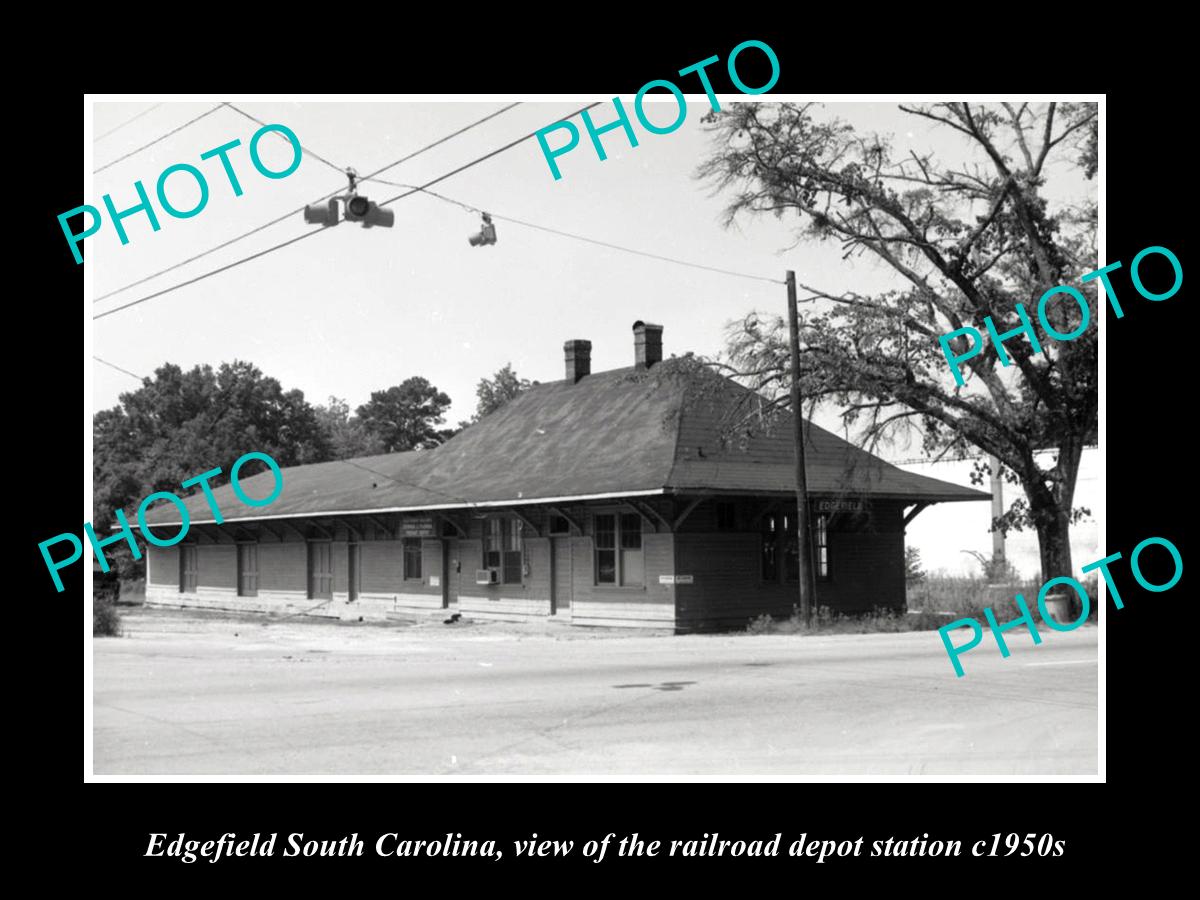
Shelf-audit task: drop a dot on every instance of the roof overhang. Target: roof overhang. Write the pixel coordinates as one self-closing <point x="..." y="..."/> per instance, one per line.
<point x="613" y="495"/>
<point x="482" y="504"/>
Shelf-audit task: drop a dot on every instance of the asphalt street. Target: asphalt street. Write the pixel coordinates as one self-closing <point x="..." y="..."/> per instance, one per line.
<point x="188" y="693"/>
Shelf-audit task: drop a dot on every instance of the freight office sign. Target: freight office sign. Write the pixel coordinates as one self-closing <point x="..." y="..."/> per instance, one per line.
<point x="418" y="526"/>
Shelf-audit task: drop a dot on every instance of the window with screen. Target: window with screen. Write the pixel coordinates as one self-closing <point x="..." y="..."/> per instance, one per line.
<point x="821" y="545"/>
<point x="791" y="548"/>
<point x="619" y="556"/>
<point x="606" y="548"/>
<point x="412" y="559"/>
<point x="770" y="542"/>
<point x="493" y="543"/>
<point x="781" y="547"/>
<point x="514" y="552"/>
<point x="504" y="548"/>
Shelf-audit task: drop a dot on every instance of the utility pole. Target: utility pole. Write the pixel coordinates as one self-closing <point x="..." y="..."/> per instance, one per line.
<point x="808" y="584"/>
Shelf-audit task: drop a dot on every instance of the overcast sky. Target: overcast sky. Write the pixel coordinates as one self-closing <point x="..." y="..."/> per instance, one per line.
<point x="355" y="310"/>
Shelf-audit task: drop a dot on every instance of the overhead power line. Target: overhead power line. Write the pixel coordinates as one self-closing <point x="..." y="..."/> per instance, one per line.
<point x="287" y="215"/>
<point x="118" y="368"/>
<point x="126" y="122"/>
<point x="580" y="237"/>
<point x="679" y="262"/>
<point x="476" y="162"/>
<point x="157" y="139"/>
<point x="293" y="212"/>
<point x="308" y="234"/>
<point x="303" y="149"/>
<point x="917" y="460"/>
<point x="411" y="484"/>
<point x="202" y="276"/>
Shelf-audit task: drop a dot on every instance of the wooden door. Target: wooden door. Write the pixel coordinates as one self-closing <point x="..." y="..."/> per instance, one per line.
<point x="450" y="572"/>
<point x="562" y="584"/>
<point x="247" y="570"/>
<point x="352" y="571"/>
<point x="320" y="570"/>
<point x="189" y="568"/>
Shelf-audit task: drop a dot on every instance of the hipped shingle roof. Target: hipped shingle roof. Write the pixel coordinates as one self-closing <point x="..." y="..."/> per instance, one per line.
<point x="673" y="428"/>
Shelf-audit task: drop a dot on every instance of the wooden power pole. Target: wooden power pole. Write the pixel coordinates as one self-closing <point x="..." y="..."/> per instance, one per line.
<point x="808" y="584"/>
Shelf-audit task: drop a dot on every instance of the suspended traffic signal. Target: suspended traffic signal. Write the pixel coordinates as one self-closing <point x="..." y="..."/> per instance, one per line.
<point x="321" y="213"/>
<point x="369" y="213"/>
<point x="357" y="209"/>
<point x="486" y="234"/>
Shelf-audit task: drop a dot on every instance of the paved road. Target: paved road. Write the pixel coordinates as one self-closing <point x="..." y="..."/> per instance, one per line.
<point x="180" y="693"/>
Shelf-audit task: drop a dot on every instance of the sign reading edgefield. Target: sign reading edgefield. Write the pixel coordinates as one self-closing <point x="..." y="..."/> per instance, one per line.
<point x="832" y="506"/>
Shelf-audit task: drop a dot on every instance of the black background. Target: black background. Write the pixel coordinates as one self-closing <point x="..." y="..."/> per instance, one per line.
<point x="104" y="828"/>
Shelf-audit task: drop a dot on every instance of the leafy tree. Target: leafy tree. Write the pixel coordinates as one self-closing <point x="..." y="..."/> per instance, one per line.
<point x="179" y="424"/>
<point x="964" y="242"/>
<point x="494" y="392"/>
<point x="403" y="417"/>
<point x="347" y="436"/>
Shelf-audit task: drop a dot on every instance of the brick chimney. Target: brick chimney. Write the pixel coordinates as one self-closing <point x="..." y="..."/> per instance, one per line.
<point x="647" y="344"/>
<point x="579" y="359"/>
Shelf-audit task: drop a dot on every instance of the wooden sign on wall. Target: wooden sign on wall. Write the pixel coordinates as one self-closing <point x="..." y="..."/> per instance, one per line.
<point x="833" y="506"/>
<point x="417" y="526"/>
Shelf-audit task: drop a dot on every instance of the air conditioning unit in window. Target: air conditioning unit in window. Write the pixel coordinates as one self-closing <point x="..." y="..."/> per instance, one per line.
<point x="487" y="576"/>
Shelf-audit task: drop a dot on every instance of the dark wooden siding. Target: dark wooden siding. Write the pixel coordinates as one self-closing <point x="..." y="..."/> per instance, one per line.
<point x="867" y="563"/>
<point x="866" y="557"/>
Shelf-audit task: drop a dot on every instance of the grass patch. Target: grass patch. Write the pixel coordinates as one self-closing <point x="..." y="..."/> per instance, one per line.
<point x="826" y="621"/>
<point x="106" y="622"/>
<point x="932" y="603"/>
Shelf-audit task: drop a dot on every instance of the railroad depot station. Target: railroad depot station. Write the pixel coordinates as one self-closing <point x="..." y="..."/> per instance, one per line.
<point x="642" y="496"/>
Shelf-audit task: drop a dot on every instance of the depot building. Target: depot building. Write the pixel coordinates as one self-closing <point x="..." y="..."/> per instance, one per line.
<point x="660" y="495"/>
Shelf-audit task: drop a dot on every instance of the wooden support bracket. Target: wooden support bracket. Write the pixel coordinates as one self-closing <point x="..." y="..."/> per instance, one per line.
<point x="462" y="532"/>
<point x="382" y="526"/>
<point x="528" y="524"/>
<point x="916" y="511"/>
<point x="687" y="511"/>
<point x="650" y="514"/>
<point x="351" y="528"/>
<point x="558" y="512"/>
